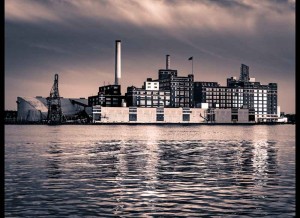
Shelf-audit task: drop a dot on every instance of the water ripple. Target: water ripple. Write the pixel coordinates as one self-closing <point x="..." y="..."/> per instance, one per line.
<point x="149" y="178"/>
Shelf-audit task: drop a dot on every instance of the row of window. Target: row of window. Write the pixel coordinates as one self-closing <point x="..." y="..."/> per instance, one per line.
<point x="150" y="93"/>
<point x="159" y="117"/>
<point x="143" y="102"/>
<point x="238" y="90"/>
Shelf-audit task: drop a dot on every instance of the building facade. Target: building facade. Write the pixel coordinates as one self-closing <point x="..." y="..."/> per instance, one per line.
<point x="108" y="96"/>
<point x="141" y="97"/>
<point x="242" y="93"/>
<point x="147" y="115"/>
<point x="181" y="88"/>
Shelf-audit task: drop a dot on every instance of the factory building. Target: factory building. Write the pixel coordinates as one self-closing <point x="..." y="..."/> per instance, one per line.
<point x="181" y="88"/>
<point x="35" y="109"/>
<point x="168" y="99"/>
<point x="242" y="93"/>
<point x="148" y="96"/>
<point x="108" y="96"/>
<point x="170" y="90"/>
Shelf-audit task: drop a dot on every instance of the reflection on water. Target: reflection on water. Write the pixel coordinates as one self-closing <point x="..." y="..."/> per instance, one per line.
<point x="153" y="176"/>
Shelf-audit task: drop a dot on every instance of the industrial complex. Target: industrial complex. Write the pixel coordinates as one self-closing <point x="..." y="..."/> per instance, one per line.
<point x="169" y="98"/>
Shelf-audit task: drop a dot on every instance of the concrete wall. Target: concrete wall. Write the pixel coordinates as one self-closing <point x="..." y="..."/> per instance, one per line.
<point x="197" y="115"/>
<point x="223" y="116"/>
<point x="173" y="115"/>
<point x="148" y="115"/>
<point x="243" y="116"/>
<point x="114" y="114"/>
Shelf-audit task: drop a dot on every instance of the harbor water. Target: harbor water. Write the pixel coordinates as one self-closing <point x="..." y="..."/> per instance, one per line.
<point x="149" y="171"/>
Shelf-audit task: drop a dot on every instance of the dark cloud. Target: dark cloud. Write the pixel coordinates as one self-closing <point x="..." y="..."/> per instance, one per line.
<point x="76" y="39"/>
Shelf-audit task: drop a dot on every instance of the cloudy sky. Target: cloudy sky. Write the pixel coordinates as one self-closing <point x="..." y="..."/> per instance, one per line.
<point x="76" y="39"/>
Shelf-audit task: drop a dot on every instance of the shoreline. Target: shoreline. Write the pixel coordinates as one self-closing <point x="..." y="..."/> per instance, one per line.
<point x="156" y="124"/>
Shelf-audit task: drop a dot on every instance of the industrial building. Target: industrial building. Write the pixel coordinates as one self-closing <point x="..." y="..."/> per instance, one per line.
<point x="168" y="99"/>
<point x="181" y="88"/>
<point x="108" y="96"/>
<point x="35" y="109"/>
<point x="148" y="96"/>
<point x="169" y="90"/>
<point x="242" y="93"/>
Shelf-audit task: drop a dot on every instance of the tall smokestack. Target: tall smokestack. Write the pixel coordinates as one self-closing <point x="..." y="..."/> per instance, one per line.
<point x="167" y="62"/>
<point x="118" y="62"/>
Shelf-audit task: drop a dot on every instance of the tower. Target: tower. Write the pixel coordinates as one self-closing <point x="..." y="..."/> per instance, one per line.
<point x="167" y="62"/>
<point x="118" y="62"/>
<point x="54" y="105"/>
<point x="244" y="75"/>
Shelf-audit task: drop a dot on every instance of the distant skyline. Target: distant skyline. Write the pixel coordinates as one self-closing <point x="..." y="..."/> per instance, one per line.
<point x="76" y="39"/>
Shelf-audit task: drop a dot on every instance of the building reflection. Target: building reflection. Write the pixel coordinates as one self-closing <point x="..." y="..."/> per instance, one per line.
<point x="53" y="161"/>
<point x="136" y="180"/>
<point x="259" y="158"/>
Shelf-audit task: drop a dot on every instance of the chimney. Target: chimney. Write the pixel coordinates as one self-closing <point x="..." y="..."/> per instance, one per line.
<point x="167" y="62"/>
<point x="118" y="62"/>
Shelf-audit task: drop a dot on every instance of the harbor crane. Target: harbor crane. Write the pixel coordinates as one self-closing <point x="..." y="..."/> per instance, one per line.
<point x="54" y="105"/>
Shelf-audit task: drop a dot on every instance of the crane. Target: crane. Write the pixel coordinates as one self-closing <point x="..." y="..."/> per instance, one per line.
<point x="54" y="105"/>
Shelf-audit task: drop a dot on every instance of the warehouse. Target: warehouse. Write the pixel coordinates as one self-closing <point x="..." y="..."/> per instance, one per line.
<point x="35" y="109"/>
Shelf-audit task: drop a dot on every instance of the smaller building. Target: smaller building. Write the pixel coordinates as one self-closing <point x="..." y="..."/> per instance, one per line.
<point x="181" y="88"/>
<point x="10" y="116"/>
<point x="151" y="84"/>
<point x="108" y="96"/>
<point x="141" y="97"/>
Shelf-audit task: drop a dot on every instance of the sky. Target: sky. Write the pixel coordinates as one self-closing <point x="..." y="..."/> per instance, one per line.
<point x="76" y="40"/>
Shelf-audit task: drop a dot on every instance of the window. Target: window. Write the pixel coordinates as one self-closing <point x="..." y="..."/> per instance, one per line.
<point x="132" y="117"/>
<point x="185" y="117"/>
<point x="159" y="117"/>
<point x="251" y="117"/>
<point x="234" y="117"/>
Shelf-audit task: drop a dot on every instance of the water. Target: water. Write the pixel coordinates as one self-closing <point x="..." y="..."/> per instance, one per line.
<point x="149" y="171"/>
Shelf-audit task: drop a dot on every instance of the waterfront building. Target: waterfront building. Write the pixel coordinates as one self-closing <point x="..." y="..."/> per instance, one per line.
<point x="181" y="88"/>
<point x="35" y="109"/>
<point x="109" y="95"/>
<point x="147" y="96"/>
<point x="169" y="90"/>
<point x="242" y="93"/>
